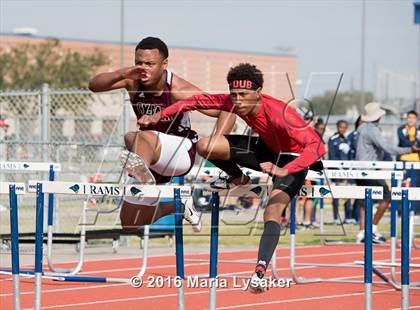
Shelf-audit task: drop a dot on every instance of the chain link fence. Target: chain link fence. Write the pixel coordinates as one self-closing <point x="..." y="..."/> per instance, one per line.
<point x="80" y="130"/>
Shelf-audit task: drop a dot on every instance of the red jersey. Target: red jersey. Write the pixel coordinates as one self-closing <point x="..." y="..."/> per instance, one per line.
<point x="277" y="123"/>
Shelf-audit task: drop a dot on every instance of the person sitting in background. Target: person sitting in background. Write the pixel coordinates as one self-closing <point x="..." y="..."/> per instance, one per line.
<point x="371" y="146"/>
<point x="339" y="149"/>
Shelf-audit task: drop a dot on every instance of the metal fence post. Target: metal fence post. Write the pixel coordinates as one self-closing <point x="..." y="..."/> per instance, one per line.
<point x="126" y="112"/>
<point x="45" y="116"/>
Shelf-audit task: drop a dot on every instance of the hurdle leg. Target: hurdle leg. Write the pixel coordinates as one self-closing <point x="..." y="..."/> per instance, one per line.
<point x="38" y="244"/>
<point x="394" y="205"/>
<point x="405" y="251"/>
<point x="14" y="233"/>
<point x="368" y="250"/>
<point x="293" y="263"/>
<point x="321" y="221"/>
<point x="61" y="271"/>
<point x="179" y="248"/>
<point x="321" y="218"/>
<point x="214" y="240"/>
<point x="145" y="251"/>
<point x="292" y="239"/>
<point x="274" y="265"/>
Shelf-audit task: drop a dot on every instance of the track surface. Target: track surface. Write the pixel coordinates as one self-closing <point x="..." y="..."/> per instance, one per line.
<point x="72" y="295"/>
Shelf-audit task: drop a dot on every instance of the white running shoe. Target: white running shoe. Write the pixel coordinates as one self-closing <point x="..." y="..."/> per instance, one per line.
<point x="257" y="285"/>
<point x="222" y="182"/>
<point x="136" y="167"/>
<point x="191" y="215"/>
<point x="377" y="238"/>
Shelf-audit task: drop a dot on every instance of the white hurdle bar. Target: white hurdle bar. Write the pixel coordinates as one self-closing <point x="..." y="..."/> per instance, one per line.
<point x="96" y="189"/>
<point x="13" y="189"/>
<point x="17" y="166"/>
<point x="358" y="164"/>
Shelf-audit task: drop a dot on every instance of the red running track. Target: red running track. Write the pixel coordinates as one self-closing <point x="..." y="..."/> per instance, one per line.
<point x="72" y="295"/>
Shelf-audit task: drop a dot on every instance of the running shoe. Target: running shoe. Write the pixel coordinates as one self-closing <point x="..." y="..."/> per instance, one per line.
<point x="136" y="167"/>
<point x="191" y="215"/>
<point x="222" y="182"/>
<point x="257" y="284"/>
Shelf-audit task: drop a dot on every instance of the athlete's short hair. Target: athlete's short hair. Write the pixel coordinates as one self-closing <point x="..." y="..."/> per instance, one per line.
<point x="151" y="43"/>
<point x="246" y="71"/>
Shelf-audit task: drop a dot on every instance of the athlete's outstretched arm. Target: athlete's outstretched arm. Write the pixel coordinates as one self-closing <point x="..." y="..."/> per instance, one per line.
<point x="203" y="101"/>
<point x="122" y="78"/>
<point x="182" y="90"/>
<point x="225" y="122"/>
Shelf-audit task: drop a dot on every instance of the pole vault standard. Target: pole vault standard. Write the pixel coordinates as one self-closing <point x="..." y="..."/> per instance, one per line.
<point x="88" y="189"/>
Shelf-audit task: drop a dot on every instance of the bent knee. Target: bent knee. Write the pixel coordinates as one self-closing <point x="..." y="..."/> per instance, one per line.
<point x="204" y="147"/>
<point x="129" y="140"/>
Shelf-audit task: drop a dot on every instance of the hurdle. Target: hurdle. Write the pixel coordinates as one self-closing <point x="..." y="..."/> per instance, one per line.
<point x="14" y="189"/>
<point x="307" y="191"/>
<point x="394" y="176"/>
<point x="90" y="189"/>
<point x="397" y="194"/>
<point x="409" y="167"/>
<point x="52" y="169"/>
<point x="406" y="195"/>
<point x="241" y="191"/>
<point x="356" y="192"/>
<point x="214" y="242"/>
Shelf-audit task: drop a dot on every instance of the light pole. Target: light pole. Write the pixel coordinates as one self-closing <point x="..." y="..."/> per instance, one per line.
<point x="122" y="33"/>
<point x="362" y="58"/>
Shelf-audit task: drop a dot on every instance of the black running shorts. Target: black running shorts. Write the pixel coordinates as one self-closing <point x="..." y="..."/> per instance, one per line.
<point x="249" y="152"/>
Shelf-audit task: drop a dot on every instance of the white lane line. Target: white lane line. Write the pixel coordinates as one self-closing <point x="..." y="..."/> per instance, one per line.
<point x="302" y="299"/>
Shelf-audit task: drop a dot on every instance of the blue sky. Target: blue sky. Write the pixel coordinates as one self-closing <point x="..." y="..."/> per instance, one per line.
<point x="324" y="35"/>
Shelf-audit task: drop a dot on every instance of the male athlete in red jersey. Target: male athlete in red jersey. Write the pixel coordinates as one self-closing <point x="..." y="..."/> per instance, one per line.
<point x="286" y="148"/>
<point x="168" y="148"/>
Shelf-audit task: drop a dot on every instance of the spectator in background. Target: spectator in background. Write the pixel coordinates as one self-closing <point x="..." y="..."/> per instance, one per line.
<point x="319" y="127"/>
<point x="409" y="135"/>
<point x="309" y="204"/>
<point x="371" y="146"/>
<point x="339" y="149"/>
<point x="352" y="137"/>
<point x="4" y="123"/>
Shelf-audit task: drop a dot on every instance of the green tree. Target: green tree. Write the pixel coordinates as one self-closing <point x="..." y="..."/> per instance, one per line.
<point x="28" y="66"/>
<point x="340" y="104"/>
